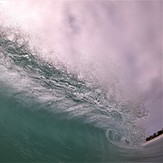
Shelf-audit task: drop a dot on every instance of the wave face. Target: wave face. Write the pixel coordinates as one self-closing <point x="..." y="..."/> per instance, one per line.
<point x="49" y="114"/>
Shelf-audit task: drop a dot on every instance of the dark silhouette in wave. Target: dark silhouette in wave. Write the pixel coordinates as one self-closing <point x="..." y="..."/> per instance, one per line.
<point x="156" y="134"/>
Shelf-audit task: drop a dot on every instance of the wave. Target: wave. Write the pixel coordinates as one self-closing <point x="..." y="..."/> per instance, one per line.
<point x="49" y="113"/>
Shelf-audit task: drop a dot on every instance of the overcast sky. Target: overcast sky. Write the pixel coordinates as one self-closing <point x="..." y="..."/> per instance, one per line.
<point x="119" y="38"/>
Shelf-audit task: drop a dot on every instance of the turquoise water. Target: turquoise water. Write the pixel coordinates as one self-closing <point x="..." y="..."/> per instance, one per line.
<point x="49" y="114"/>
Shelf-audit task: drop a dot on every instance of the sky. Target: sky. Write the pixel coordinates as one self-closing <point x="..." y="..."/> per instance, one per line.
<point x="112" y="40"/>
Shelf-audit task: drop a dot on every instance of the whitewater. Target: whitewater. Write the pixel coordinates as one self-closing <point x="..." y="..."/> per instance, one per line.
<point x="67" y="110"/>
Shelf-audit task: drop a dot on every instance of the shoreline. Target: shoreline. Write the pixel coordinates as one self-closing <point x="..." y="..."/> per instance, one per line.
<point x="153" y="140"/>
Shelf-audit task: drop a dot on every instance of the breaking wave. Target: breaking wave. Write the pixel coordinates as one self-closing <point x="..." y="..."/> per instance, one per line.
<point x="50" y="113"/>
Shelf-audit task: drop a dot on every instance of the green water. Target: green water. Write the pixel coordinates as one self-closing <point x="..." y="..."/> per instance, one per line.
<point x="42" y="136"/>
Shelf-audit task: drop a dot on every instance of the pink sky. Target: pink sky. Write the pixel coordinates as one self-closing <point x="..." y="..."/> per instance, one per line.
<point x="116" y="38"/>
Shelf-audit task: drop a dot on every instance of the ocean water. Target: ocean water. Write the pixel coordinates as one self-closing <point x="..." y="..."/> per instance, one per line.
<point x="49" y="114"/>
